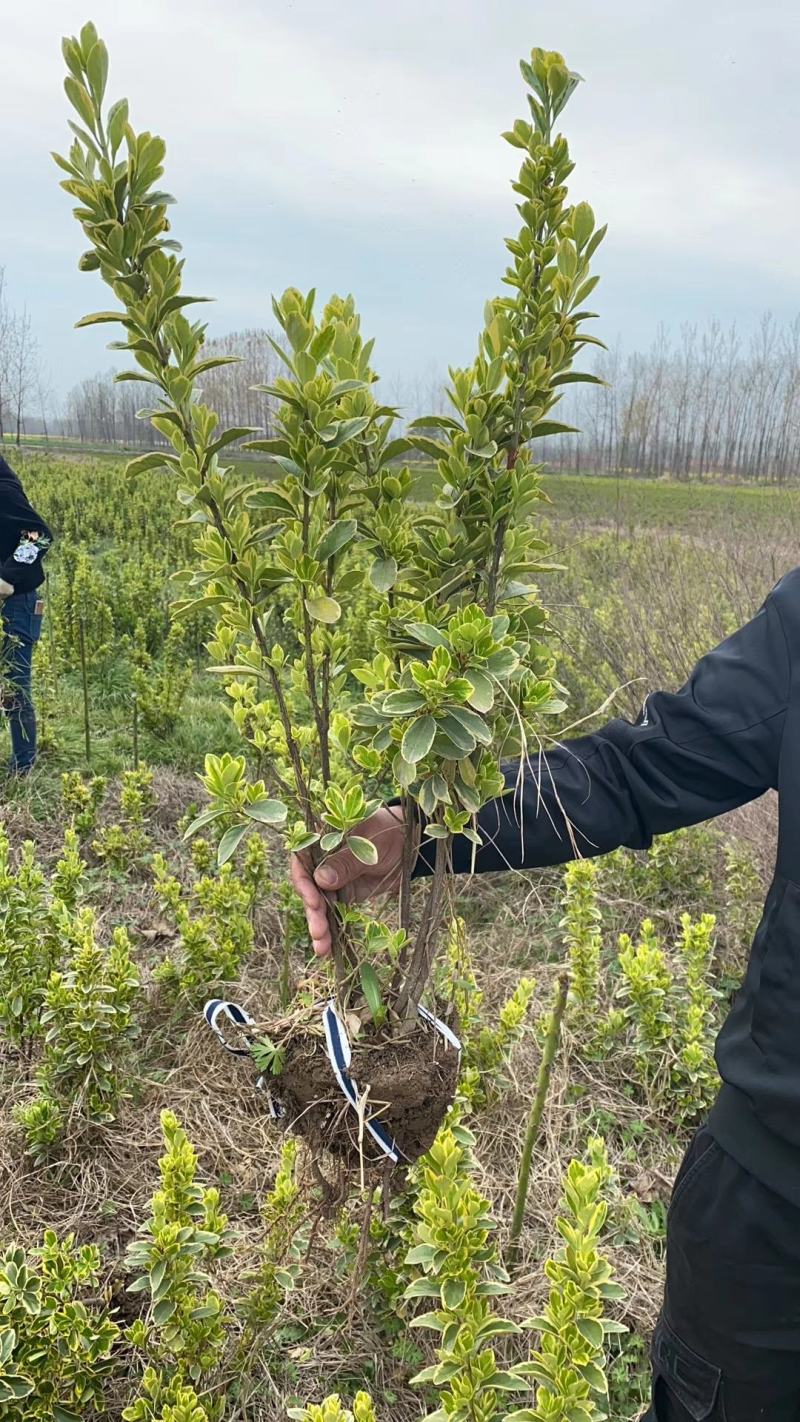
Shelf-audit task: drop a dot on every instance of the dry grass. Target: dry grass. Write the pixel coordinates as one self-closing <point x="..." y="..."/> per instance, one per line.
<point x="100" y="1190"/>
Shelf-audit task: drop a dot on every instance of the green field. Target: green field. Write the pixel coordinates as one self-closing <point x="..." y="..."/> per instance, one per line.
<point x="652" y="575"/>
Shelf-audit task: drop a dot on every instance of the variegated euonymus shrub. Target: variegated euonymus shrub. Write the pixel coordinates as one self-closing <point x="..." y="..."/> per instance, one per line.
<point x="462" y="675"/>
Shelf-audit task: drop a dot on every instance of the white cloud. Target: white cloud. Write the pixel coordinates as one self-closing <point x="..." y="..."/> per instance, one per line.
<point x="289" y="122"/>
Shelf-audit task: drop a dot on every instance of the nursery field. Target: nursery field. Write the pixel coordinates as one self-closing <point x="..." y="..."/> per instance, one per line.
<point x="304" y="1293"/>
<point x="431" y="1177"/>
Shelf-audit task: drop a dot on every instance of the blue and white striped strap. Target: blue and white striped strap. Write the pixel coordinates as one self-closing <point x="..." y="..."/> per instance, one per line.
<point x="214" y="1013"/>
<point x="340" y="1056"/>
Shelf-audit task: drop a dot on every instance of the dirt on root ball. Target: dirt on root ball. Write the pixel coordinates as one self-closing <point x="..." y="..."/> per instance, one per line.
<point x="412" y="1082"/>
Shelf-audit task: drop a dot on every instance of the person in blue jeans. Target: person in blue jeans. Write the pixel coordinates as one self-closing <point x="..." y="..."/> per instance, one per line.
<point x="24" y="541"/>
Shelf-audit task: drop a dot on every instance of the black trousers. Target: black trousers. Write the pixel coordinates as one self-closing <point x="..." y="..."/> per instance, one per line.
<point x="727" y="1345"/>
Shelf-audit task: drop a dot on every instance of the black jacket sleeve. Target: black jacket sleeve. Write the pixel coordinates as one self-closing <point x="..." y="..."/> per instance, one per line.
<point x="694" y="754"/>
<point x="21" y="566"/>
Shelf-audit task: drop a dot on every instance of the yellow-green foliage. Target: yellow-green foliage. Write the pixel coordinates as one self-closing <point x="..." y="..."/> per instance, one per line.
<point x="122" y="845"/>
<point x="582" y="936"/>
<point x="79" y="600"/>
<point x="696" y="1076"/>
<point x="569" y="1366"/>
<point x="183" y="1336"/>
<point x="54" y="1346"/>
<point x="333" y="1410"/>
<point x="82" y="799"/>
<point x="214" y="923"/>
<point x="671" y="1010"/>
<point x="283" y="1214"/>
<point x="161" y="686"/>
<point x="646" y="984"/>
<point x="89" y="1020"/>
<point x="486" y="1050"/>
<point x="744" y="893"/>
<point x="31" y="932"/>
<point x="460" y="1276"/>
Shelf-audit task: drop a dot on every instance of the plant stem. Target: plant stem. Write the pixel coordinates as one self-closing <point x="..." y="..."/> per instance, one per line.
<point x="428" y="933"/>
<point x="311" y="677"/>
<point x="537" y="1108"/>
<point x="285" y="985"/>
<point x="135" y="700"/>
<point x="409" y="836"/>
<point x="87" y="730"/>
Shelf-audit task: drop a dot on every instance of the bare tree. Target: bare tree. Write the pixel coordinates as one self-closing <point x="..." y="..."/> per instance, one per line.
<point x="707" y="407"/>
<point x="5" y="353"/>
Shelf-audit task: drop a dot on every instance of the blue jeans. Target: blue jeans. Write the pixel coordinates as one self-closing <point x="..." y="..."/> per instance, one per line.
<point x="22" y="628"/>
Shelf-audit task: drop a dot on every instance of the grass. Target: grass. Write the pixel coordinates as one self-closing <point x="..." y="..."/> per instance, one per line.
<point x="655" y="572"/>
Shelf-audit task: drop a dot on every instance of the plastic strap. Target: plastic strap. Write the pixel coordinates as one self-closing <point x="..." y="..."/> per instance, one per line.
<point x="213" y="1012"/>
<point x="340" y="1056"/>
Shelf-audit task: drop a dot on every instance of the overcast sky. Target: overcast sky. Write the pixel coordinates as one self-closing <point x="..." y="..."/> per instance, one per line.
<point x="355" y="147"/>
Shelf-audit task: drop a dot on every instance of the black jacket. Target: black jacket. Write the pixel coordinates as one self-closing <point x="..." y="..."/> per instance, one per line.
<point x="20" y="556"/>
<point x="730" y="734"/>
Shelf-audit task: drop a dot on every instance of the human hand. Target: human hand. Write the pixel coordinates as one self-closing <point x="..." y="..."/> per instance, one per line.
<point x="6" y="590"/>
<point x="342" y="872"/>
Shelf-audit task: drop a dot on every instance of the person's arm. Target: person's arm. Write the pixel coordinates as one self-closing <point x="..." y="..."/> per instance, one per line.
<point x="692" y="755"/>
<point x="20" y="570"/>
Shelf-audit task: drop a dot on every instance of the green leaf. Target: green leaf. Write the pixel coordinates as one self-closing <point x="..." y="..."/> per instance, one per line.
<point x="97" y="318"/>
<point x="402" y="703"/>
<point x="323" y="609"/>
<point x="591" y="1329"/>
<point x="453" y="1292"/>
<point x="582" y="223"/>
<point x="266" y="811"/>
<point x="163" y="1311"/>
<point x="471" y="723"/>
<point x="427" y="634"/>
<point x="14" y="1386"/>
<point x="229" y="843"/>
<point x="371" y="989"/>
<point x="421" y="1254"/>
<point x="117" y="123"/>
<point x="495" y="1328"/>
<point x="347" y="430"/>
<point x="97" y="71"/>
<point x="394" y="448"/>
<point x="434" y="448"/>
<point x="156" y="460"/>
<point x="418" y="739"/>
<point x="335" y="539"/>
<point x="551" y="427"/>
<point x="421" y="1289"/>
<point x="482" y="697"/>
<point x="80" y="100"/>
<point x="288" y="466"/>
<point x="577" y="377"/>
<point x="271" y="502"/>
<point x="462" y="738"/>
<point x="364" y="850"/>
<point x="206" y="818"/>
<point x="383" y="574"/>
<point x="230" y="436"/>
<point x="507" y="1382"/>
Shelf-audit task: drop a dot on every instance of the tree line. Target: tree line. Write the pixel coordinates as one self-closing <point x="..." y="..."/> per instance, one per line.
<point x="21" y="383"/>
<point x="711" y="404"/>
<point x="708" y="404"/>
